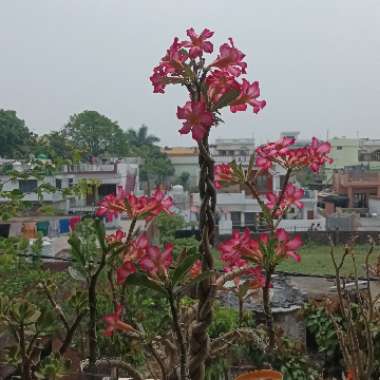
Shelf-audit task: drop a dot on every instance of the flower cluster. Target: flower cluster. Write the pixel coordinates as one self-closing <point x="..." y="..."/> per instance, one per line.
<point x="224" y="174"/>
<point x="291" y="196"/>
<point x="149" y="258"/>
<point x="242" y="247"/>
<point x="142" y="207"/>
<point x="184" y="64"/>
<point x="114" y="322"/>
<point x="281" y="152"/>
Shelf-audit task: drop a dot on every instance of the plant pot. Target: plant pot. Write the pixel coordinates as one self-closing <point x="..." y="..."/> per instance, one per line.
<point x="262" y="374"/>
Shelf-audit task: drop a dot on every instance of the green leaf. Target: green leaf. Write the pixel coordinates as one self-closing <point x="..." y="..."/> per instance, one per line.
<point x="183" y="267"/>
<point x="182" y="289"/>
<point x="227" y="98"/>
<point x="100" y="231"/>
<point x="140" y="279"/>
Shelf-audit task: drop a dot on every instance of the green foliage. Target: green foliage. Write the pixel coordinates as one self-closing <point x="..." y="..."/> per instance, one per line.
<point x="84" y="248"/>
<point x="225" y="319"/>
<point x="183" y="179"/>
<point x="52" y="367"/>
<point x="322" y="328"/>
<point x="156" y="167"/>
<point x="167" y="225"/>
<point x="16" y="139"/>
<point x="96" y="134"/>
<point x="139" y="138"/>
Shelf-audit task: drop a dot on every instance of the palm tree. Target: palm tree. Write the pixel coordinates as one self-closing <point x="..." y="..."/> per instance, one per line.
<point x="140" y="137"/>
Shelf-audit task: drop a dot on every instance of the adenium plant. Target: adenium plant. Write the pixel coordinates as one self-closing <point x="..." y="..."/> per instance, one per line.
<point x="211" y="86"/>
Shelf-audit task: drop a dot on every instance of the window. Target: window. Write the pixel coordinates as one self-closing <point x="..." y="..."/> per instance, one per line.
<point x="58" y="183"/>
<point x="263" y="183"/>
<point x="236" y="218"/>
<point x="28" y="185"/>
<point x="249" y="218"/>
<point x="71" y="182"/>
<point x="339" y="147"/>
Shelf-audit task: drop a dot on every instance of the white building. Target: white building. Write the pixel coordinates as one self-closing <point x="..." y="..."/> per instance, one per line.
<point x="108" y="177"/>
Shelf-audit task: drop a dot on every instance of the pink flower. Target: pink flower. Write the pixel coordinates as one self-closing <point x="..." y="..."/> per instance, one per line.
<point x="231" y="250"/>
<point x="248" y="95"/>
<point x="198" y="119"/>
<point x="116" y="237"/>
<point x="170" y="68"/>
<point x="223" y="174"/>
<point x="292" y="195"/>
<point x="196" y="269"/>
<point x="124" y="271"/>
<point x="286" y="246"/>
<point x="317" y="154"/>
<point x="114" y="323"/>
<point x="138" y="248"/>
<point x="142" y="207"/>
<point x="198" y="44"/>
<point x="272" y="152"/>
<point x="313" y="155"/>
<point x="220" y="82"/>
<point x="230" y="59"/>
<point x="156" y="262"/>
<point x="111" y="206"/>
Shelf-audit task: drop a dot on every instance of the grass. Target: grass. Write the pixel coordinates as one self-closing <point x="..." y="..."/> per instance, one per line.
<point x="316" y="259"/>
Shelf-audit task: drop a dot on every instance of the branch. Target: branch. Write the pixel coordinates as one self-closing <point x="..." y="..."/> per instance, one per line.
<point x="220" y="345"/>
<point x="56" y="307"/>
<point x="70" y="333"/>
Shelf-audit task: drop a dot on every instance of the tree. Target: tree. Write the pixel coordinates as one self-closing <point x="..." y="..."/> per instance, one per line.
<point x="140" y="137"/>
<point x="56" y="145"/>
<point x="16" y="139"/>
<point x="96" y="134"/>
<point x="183" y="179"/>
<point x="156" y="167"/>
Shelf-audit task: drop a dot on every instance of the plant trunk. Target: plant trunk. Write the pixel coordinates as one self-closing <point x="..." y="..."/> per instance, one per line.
<point x="25" y="365"/>
<point x="200" y="341"/>
<point x="268" y="308"/>
<point x="92" y="339"/>
<point x="241" y="310"/>
<point x="184" y="372"/>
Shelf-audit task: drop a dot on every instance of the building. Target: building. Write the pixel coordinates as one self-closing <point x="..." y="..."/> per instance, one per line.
<point x="358" y="184"/>
<point x="228" y="150"/>
<point x="344" y="152"/>
<point x="184" y="160"/>
<point x="106" y="178"/>
<point x="369" y="153"/>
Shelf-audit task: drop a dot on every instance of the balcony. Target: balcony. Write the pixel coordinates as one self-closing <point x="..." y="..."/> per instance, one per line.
<point x="92" y="168"/>
<point x="361" y="179"/>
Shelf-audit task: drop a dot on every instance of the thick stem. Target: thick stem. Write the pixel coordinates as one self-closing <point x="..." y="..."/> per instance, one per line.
<point x="200" y="341"/>
<point x="70" y="333"/>
<point x="92" y="300"/>
<point x="25" y="365"/>
<point x="268" y="308"/>
<point x="180" y="338"/>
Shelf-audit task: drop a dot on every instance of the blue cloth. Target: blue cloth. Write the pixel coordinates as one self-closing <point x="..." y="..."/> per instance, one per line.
<point x="64" y="226"/>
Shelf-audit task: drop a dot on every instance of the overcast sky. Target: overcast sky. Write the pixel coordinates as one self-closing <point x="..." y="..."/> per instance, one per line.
<point x="318" y="62"/>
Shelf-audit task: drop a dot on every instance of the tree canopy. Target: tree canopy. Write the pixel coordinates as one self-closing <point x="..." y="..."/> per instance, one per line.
<point x="16" y="139"/>
<point x="96" y="134"/>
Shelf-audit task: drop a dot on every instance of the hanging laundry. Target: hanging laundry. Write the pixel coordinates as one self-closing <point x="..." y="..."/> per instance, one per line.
<point x="74" y="221"/>
<point x="15" y="229"/>
<point x="29" y="230"/>
<point x="4" y="230"/>
<point x="43" y="227"/>
<point x="53" y="228"/>
<point x="64" y="226"/>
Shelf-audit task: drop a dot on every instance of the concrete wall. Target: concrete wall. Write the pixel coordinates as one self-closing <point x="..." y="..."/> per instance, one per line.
<point x="374" y="206"/>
